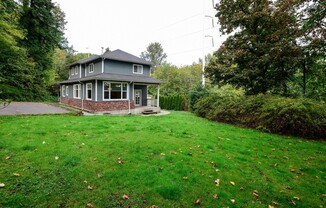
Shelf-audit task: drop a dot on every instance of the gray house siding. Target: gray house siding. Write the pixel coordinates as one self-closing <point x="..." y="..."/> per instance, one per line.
<point x="74" y="75"/>
<point x="118" y="67"/>
<point x="97" y="68"/>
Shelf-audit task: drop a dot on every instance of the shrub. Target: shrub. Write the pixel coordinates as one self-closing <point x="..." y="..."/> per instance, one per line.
<point x="298" y="117"/>
<point x="195" y="95"/>
<point x="172" y="102"/>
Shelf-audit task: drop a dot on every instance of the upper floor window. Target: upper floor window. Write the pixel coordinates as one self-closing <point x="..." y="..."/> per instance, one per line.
<point x="91" y="68"/>
<point x="137" y="69"/>
<point x="76" y="69"/>
<point x="72" y="71"/>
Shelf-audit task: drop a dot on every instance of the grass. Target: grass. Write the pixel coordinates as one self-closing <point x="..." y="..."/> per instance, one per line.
<point x="167" y="161"/>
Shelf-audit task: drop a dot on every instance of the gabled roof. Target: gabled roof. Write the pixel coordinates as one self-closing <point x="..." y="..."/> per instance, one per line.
<point x="116" y="77"/>
<point x="117" y="55"/>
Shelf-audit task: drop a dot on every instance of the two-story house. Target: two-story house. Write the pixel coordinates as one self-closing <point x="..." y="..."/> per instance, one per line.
<point x="114" y="81"/>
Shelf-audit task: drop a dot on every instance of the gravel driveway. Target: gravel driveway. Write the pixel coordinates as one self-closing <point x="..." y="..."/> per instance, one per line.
<point x="30" y="108"/>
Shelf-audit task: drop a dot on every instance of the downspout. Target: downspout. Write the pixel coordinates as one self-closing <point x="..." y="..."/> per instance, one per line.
<point x="82" y="95"/>
<point x="129" y="112"/>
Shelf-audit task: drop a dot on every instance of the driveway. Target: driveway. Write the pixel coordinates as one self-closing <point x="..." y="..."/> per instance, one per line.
<point x="31" y="108"/>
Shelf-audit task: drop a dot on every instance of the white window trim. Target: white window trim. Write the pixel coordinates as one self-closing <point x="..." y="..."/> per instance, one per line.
<point x="89" y="68"/>
<point x="67" y="92"/>
<point x="63" y="91"/>
<point x="79" y="89"/>
<point x="133" y="69"/>
<point x="87" y="84"/>
<point x="110" y="91"/>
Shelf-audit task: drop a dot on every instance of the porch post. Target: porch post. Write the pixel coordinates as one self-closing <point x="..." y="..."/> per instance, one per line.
<point x="158" y="96"/>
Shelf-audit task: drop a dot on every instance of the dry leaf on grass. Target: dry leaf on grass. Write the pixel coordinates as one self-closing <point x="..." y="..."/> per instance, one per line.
<point x="232" y="201"/>
<point x="255" y="193"/>
<point x="90" y="187"/>
<point x="16" y="174"/>
<point x="8" y="158"/>
<point x="296" y="198"/>
<point x="125" y="196"/>
<point x="153" y="206"/>
<point x="232" y="183"/>
<point x="2" y="185"/>
<point x="89" y="205"/>
<point x="197" y="202"/>
<point x="217" y="182"/>
<point x="215" y="196"/>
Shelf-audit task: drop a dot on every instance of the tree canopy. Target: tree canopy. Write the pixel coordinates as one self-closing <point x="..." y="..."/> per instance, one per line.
<point x="269" y="43"/>
<point x="155" y="54"/>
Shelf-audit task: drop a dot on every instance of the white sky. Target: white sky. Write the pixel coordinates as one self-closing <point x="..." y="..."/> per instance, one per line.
<point x="130" y="25"/>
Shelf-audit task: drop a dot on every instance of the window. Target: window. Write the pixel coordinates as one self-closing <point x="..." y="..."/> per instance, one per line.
<point x="91" y="68"/>
<point x="72" y="71"/>
<point x="63" y="91"/>
<point x="88" y="91"/>
<point x="114" y="91"/>
<point x="77" y="91"/>
<point x="137" y="69"/>
<point x="67" y="91"/>
<point x="76" y="69"/>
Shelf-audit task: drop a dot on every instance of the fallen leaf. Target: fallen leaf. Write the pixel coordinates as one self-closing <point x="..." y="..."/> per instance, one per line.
<point x="232" y="183"/>
<point x="197" y="202"/>
<point x="292" y="202"/>
<point x="173" y="153"/>
<point x="99" y="175"/>
<point x="185" y="177"/>
<point x="89" y="205"/>
<point x="43" y="142"/>
<point x="2" y="185"/>
<point x="217" y="182"/>
<point x="8" y="158"/>
<point x="270" y="206"/>
<point x="125" y="196"/>
<point x="153" y="206"/>
<point x="292" y="170"/>
<point x="232" y="201"/>
<point x="16" y="174"/>
<point x="90" y="187"/>
<point x="241" y="189"/>
<point x="274" y="202"/>
<point x="162" y="153"/>
<point x="273" y="149"/>
<point x="85" y="181"/>
<point x="56" y="158"/>
<point x="255" y="193"/>
<point x="215" y="196"/>
<point x="94" y="159"/>
<point x="324" y="195"/>
<point x="296" y="198"/>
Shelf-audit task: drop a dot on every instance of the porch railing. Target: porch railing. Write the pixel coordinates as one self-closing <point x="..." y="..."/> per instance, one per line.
<point x="152" y="102"/>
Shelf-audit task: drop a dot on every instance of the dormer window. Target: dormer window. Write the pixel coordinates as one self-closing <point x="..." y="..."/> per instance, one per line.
<point x="72" y="71"/>
<point x="137" y="69"/>
<point x="91" y="68"/>
<point x="76" y="69"/>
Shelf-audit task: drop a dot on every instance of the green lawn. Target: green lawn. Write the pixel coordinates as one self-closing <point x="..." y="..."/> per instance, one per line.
<point x="167" y="161"/>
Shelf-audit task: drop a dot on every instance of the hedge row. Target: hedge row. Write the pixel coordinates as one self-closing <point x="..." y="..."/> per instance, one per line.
<point x="173" y="102"/>
<point x="298" y="117"/>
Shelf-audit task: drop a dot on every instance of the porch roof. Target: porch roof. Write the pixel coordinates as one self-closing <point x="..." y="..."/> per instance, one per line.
<point x="115" y="77"/>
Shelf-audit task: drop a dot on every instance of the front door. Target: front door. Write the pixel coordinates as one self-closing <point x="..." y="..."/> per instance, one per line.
<point x="138" y="98"/>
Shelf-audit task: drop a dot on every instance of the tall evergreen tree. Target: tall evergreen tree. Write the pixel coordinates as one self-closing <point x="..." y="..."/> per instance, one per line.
<point x="155" y="54"/>
<point x="43" y="23"/>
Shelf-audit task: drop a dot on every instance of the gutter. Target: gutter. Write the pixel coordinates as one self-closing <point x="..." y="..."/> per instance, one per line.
<point x="129" y="112"/>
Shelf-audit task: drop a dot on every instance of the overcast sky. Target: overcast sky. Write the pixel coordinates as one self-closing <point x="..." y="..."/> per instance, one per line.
<point x="129" y="25"/>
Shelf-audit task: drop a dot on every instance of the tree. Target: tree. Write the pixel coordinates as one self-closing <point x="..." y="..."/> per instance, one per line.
<point x="44" y="24"/>
<point x="16" y="78"/>
<point x="155" y="54"/>
<point x="178" y="81"/>
<point x="264" y="44"/>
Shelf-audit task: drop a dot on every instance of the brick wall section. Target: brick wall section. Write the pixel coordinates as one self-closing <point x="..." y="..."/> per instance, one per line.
<point x="99" y="106"/>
